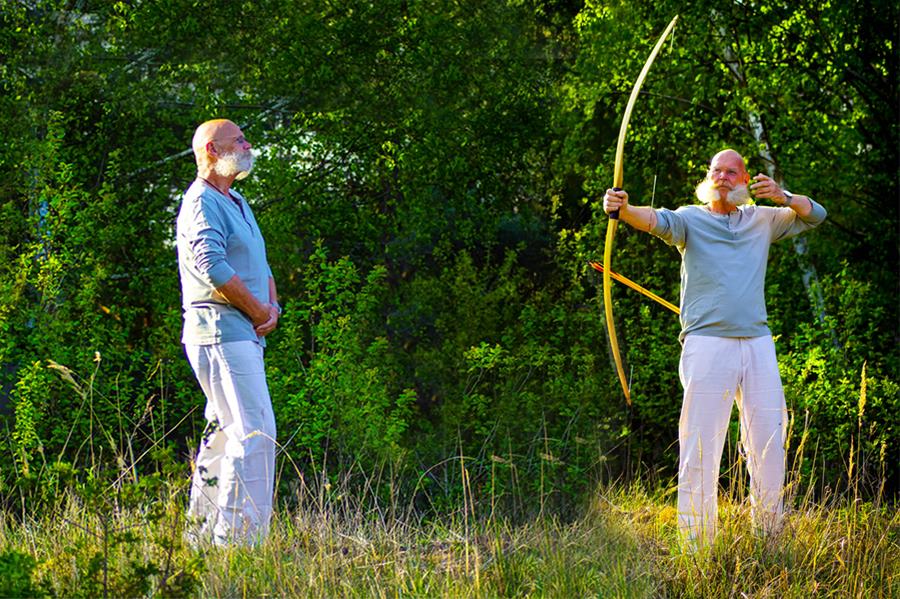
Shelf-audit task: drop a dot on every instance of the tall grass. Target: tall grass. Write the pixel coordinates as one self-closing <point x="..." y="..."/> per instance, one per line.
<point x="343" y="543"/>
<point x="353" y="534"/>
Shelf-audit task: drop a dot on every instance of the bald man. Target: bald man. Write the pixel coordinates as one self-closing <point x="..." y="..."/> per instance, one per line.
<point x="728" y="354"/>
<point x="230" y="305"/>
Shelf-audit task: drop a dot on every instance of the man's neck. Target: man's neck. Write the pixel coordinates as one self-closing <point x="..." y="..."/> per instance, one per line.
<point x="222" y="184"/>
<point x="721" y="206"/>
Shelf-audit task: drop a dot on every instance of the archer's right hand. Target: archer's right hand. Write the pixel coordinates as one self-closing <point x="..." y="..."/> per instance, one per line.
<point x="614" y="200"/>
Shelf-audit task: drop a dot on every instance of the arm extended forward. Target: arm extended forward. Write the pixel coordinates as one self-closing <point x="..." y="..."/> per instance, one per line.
<point x="642" y="218"/>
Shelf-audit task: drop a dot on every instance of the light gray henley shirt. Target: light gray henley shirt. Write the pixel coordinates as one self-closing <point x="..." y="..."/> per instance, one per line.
<point x="217" y="239"/>
<point x="723" y="266"/>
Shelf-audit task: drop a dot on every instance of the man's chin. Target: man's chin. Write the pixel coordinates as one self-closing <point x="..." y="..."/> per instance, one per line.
<point x="738" y="196"/>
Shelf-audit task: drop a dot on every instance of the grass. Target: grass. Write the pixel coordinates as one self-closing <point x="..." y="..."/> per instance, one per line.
<point x="623" y="544"/>
<point x="108" y="534"/>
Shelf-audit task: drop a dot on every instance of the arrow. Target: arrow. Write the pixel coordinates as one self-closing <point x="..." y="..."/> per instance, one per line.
<point x="599" y="267"/>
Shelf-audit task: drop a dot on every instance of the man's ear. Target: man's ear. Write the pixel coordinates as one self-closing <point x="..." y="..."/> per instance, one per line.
<point x="211" y="149"/>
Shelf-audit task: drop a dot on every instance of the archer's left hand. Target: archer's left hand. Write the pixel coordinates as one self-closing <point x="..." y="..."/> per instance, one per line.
<point x="269" y="326"/>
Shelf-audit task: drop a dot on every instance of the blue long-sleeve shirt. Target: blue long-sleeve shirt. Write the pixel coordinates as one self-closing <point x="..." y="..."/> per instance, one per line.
<point x="217" y="239"/>
<point x="723" y="267"/>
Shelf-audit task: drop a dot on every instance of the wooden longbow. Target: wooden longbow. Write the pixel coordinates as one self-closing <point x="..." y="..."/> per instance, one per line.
<point x="618" y="177"/>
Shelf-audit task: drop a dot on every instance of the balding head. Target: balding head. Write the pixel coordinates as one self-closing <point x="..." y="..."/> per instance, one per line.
<point x="219" y="144"/>
<point x="729" y="158"/>
<point x="209" y="132"/>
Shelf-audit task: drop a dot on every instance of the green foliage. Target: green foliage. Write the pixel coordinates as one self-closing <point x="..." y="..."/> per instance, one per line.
<point x="838" y="385"/>
<point x="337" y="384"/>
<point x="30" y="392"/>
<point x="16" y="574"/>
<point x="113" y="538"/>
<point x="429" y="186"/>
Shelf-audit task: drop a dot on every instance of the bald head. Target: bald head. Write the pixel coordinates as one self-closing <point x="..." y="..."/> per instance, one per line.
<point x="730" y="159"/>
<point x="210" y="132"/>
<point x="219" y="147"/>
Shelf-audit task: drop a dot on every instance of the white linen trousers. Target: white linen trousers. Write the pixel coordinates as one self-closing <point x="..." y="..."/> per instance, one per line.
<point x="234" y="476"/>
<point x="716" y="372"/>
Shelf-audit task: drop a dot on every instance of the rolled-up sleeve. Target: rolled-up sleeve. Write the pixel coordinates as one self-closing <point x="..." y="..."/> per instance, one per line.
<point x="670" y="227"/>
<point x="206" y="239"/>
<point x="786" y="223"/>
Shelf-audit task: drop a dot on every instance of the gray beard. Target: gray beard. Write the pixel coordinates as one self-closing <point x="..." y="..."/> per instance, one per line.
<point x="235" y="164"/>
<point x="707" y="193"/>
<point x="739" y="196"/>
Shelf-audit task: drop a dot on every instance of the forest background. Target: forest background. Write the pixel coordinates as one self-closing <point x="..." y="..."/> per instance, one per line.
<point x="429" y="185"/>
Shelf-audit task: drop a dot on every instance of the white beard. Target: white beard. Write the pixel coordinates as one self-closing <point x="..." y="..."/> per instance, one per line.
<point x="739" y="196"/>
<point x="707" y="192"/>
<point x="235" y="164"/>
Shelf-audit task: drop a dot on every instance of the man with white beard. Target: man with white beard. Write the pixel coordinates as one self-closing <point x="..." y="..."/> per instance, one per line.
<point x="230" y="305"/>
<point x="728" y="354"/>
